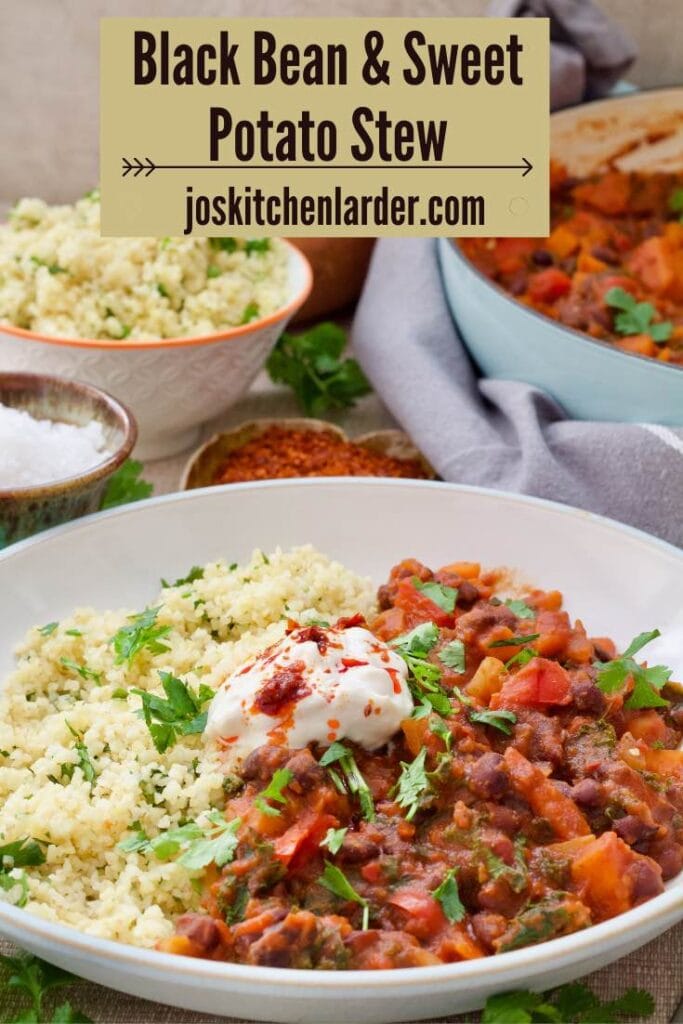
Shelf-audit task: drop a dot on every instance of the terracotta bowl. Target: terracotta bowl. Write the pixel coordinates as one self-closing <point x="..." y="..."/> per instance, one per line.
<point x="27" y="510"/>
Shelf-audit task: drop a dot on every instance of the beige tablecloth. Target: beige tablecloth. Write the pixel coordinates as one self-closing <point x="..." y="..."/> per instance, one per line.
<point x="657" y="967"/>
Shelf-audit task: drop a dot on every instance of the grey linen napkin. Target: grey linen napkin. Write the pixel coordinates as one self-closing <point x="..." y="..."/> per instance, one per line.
<point x="498" y="433"/>
<point x="589" y="52"/>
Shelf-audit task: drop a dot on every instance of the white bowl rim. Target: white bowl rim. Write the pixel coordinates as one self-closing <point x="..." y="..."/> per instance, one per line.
<point x="227" y="334"/>
<point x="522" y="963"/>
<point x="567" y="332"/>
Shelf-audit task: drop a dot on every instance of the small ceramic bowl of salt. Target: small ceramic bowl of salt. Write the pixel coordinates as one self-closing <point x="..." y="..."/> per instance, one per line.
<point x="60" y="442"/>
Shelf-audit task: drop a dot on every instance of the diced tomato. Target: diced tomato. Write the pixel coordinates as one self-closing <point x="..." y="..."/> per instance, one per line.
<point x="540" y="682"/>
<point x="426" y="917"/>
<point x="300" y="842"/>
<point x="511" y="254"/>
<point x="549" y="285"/>
<point x="419" y="607"/>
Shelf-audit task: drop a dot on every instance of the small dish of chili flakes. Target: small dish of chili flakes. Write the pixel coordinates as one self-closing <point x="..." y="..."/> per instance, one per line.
<point x="270" y="449"/>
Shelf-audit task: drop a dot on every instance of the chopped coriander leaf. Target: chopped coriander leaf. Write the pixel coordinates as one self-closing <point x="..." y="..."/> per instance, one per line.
<point x="636" y="317"/>
<point x="73" y="632"/>
<point x="515" y="641"/>
<point x="163" y="290"/>
<point x="453" y="656"/>
<point x="195" y="573"/>
<point x="336" y="881"/>
<point x="34" y="979"/>
<point x="126" y="485"/>
<point x="676" y="201"/>
<point x="49" y="629"/>
<point x="647" y="682"/>
<point x="82" y="670"/>
<point x="573" y="1002"/>
<point x="93" y="195"/>
<point x="14" y="884"/>
<point x="84" y="760"/>
<point x="412" y="784"/>
<point x="223" y="244"/>
<point x="520" y="608"/>
<point x="197" y="846"/>
<point x="334" y="838"/>
<point x="259" y="245"/>
<point x="522" y="657"/>
<point x="501" y="719"/>
<point x="251" y="312"/>
<point x="418" y="641"/>
<point x="180" y="714"/>
<point x="22" y="853"/>
<point x="311" y="365"/>
<point x="273" y="791"/>
<point x="119" y="694"/>
<point x="448" y="896"/>
<point x="443" y="597"/>
<point x="353" y="780"/>
<point x="440" y="729"/>
<point x="142" y="634"/>
<point x="213" y="271"/>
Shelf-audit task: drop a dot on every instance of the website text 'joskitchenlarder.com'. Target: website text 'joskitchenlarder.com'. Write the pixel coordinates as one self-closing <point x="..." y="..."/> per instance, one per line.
<point x="254" y="207"/>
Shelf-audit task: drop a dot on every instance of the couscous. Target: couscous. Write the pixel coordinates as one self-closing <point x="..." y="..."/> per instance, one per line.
<point x="58" y="276"/>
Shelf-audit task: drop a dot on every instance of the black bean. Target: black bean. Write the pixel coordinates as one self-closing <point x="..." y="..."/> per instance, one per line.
<point x="542" y="258"/>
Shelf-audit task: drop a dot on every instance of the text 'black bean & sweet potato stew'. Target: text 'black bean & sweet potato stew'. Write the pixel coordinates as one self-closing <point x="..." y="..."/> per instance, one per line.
<point x="535" y="790"/>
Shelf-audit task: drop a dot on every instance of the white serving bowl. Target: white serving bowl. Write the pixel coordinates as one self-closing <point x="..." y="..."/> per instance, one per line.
<point x="173" y="385"/>
<point x="116" y="559"/>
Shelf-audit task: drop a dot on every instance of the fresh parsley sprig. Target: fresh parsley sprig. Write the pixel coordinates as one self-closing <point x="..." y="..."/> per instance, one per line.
<point x="274" y="792"/>
<point x="453" y="656"/>
<point x="179" y="714"/>
<point x="500" y="719"/>
<point x="573" y="1002"/>
<point x="142" y="634"/>
<point x="647" y="682"/>
<point x="13" y="858"/>
<point x="84" y="759"/>
<point x="636" y="317"/>
<point x="334" y="838"/>
<point x="311" y="365"/>
<point x="34" y="980"/>
<point x="520" y="608"/>
<point x="194" y="574"/>
<point x="443" y="597"/>
<point x="353" y="780"/>
<point x="126" y="485"/>
<point x="334" y="879"/>
<point x="197" y="845"/>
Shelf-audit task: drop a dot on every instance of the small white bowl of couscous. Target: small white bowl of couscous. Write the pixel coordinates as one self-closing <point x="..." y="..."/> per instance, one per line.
<point x="176" y="327"/>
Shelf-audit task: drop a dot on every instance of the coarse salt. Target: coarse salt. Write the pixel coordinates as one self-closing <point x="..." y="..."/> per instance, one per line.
<point x="41" y="451"/>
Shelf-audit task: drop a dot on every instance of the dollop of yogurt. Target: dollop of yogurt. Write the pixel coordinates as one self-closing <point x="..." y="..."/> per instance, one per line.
<point x="318" y="684"/>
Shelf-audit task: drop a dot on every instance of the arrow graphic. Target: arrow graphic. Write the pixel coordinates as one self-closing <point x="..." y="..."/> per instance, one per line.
<point x="137" y="166"/>
<point x="147" y="166"/>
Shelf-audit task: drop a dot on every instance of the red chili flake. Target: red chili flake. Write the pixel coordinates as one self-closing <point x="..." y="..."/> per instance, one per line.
<point x="395" y="679"/>
<point x="284" y="687"/>
<point x="316" y="635"/>
<point x="346" y="622"/>
<point x="351" y="663"/>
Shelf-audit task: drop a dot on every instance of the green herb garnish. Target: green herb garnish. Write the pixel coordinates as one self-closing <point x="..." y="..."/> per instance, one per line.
<point x="647" y="682"/>
<point x="126" y="486"/>
<point x="412" y="785"/>
<point x="425" y="676"/>
<point x="520" y="608"/>
<point x="163" y="290"/>
<point x="180" y="714"/>
<point x="34" y="979"/>
<point x="195" y="573"/>
<point x="82" y="670"/>
<point x="273" y="791"/>
<point x="311" y="365"/>
<point x="223" y="244"/>
<point x="453" y="656"/>
<point x="574" y="1002"/>
<point x="213" y="271"/>
<point x="259" y="245"/>
<point x="443" y="597"/>
<point x="636" y="317"/>
<point x="448" y="896"/>
<point x="84" y="759"/>
<point x="676" y="202"/>
<point x="336" y="881"/>
<point x="251" y="312"/>
<point x="143" y="634"/>
<point x="198" y="846"/>
<point x="515" y="641"/>
<point x="354" y="781"/>
<point x="334" y="838"/>
<point x="501" y="719"/>
<point x="49" y="629"/>
<point x="440" y="729"/>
